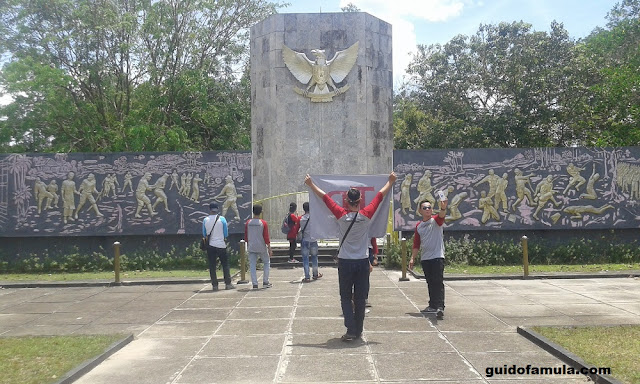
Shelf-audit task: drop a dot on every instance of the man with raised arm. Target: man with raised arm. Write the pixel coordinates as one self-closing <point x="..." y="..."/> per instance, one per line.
<point x="353" y="259"/>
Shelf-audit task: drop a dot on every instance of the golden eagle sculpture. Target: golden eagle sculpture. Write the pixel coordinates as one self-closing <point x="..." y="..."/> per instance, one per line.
<point x="320" y="76"/>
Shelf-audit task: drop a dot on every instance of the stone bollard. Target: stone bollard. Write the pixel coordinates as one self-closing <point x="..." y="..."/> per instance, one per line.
<point x="525" y="257"/>
<point x="403" y="259"/>
<point x="116" y="261"/>
<point x="243" y="263"/>
<point x="387" y="251"/>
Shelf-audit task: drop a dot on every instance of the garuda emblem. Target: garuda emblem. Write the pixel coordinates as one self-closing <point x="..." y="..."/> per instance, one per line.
<point x="320" y="76"/>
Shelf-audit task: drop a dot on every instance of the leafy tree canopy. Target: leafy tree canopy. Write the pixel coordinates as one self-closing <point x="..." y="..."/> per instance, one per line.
<point x="126" y="75"/>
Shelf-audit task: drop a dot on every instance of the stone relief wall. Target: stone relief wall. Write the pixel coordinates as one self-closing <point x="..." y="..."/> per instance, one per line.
<point x="84" y="194"/>
<point x="536" y="188"/>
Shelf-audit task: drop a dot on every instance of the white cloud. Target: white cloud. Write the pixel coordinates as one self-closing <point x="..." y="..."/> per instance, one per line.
<point x="402" y="14"/>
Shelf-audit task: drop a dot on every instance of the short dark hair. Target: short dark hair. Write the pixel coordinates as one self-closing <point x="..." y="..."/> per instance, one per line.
<point x="425" y="201"/>
<point x="305" y="206"/>
<point x="353" y="195"/>
<point x="293" y="207"/>
<point x="257" y="209"/>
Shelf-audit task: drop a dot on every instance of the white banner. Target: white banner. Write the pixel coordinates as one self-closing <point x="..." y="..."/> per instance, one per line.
<point x="323" y="223"/>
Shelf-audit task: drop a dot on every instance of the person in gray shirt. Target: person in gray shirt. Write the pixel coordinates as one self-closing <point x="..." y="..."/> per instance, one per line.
<point x="353" y="259"/>
<point x="428" y="240"/>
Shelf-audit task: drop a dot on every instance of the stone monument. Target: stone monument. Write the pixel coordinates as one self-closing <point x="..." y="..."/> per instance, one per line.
<point x="321" y="102"/>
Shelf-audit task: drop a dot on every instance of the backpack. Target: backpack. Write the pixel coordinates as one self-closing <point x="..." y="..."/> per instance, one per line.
<point x="285" y="225"/>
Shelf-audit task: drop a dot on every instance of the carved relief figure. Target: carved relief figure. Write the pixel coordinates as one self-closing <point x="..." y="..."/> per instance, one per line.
<point x="231" y="196"/>
<point x="492" y="180"/>
<point x="183" y="183"/>
<point x="86" y="190"/>
<point x="40" y="193"/>
<point x="424" y="188"/>
<point x="52" y="188"/>
<point x="521" y="188"/>
<point x="405" y="197"/>
<point x="141" y="197"/>
<point x="591" y="191"/>
<point x="127" y="181"/>
<point x="544" y="192"/>
<point x="68" y="192"/>
<point x="488" y="210"/>
<point x="187" y="185"/>
<point x="109" y="185"/>
<point x="576" y="211"/>
<point x="501" y="196"/>
<point x="320" y="76"/>
<point x="575" y="178"/>
<point x="158" y="190"/>
<point x="195" y="188"/>
<point x="174" y="180"/>
<point x="454" y="211"/>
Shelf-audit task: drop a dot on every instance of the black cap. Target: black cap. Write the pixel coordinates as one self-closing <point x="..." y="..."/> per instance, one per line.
<point x="213" y="207"/>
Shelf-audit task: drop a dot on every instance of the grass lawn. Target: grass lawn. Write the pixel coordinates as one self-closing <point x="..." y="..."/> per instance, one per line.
<point x="39" y="360"/>
<point x="617" y="347"/>
<point x="533" y="269"/>
<point x="109" y="276"/>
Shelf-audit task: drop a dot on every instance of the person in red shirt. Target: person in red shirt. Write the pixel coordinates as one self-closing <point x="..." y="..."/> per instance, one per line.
<point x="294" y="226"/>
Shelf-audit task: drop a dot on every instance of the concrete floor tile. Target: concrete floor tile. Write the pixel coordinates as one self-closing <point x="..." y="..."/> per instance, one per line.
<point x="414" y="367"/>
<point x="254" y="327"/>
<point x="239" y="346"/>
<point x="262" y="312"/>
<point x="315" y="368"/>
<point x="249" y="370"/>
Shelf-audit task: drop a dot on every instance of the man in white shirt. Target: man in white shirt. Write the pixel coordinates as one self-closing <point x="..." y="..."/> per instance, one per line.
<point x="214" y="227"/>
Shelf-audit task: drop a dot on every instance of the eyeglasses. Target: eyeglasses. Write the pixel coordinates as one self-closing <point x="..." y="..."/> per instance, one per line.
<point x="424" y="207"/>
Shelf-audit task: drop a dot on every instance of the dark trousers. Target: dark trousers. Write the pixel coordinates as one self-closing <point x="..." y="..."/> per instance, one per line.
<point x="292" y="247"/>
<point x="213" y="254"/>
<point x="434" y="273"/>
<point x="353" y="277"/>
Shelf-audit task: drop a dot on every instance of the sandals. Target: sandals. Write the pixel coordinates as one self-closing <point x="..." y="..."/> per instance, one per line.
<point x="306" y="280"/>
<point x="317" y="277"/>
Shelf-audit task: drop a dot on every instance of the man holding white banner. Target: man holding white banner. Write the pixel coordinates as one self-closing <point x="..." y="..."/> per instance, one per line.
<point x="341" y="212"/>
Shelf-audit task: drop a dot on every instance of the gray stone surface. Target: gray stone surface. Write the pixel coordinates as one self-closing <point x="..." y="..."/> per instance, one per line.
<point x="291" y="135"/>
<point x="186" y="334"/>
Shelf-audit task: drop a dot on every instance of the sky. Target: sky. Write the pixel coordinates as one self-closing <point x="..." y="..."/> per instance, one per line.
<point x="427" y="22"/>
<point x="438" y="21"/>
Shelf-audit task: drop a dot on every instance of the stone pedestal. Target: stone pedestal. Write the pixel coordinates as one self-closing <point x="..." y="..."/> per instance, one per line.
<point x="291" y="135"/>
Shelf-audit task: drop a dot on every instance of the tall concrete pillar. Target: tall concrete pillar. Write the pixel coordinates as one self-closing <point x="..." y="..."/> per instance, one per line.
<point x="340" y="129"/>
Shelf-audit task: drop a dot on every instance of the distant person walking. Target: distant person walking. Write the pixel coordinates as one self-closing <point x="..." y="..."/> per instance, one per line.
<point x="256" y="234"/>
<point x="353" y="259"/>
<point x="215" y="227"/>
<point x="294" y="222"/>
<point x="309" y="246"/>
<point x="428" y="240"/>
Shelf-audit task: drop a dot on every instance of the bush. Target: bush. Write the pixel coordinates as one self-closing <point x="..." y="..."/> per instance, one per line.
<point x="467" y="251"/>
<point x="144" y="258"/>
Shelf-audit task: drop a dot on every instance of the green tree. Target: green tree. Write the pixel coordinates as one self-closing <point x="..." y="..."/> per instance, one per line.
<point x="112" y="75"/>
<point x="612" y="57"/>
<point x="505" y="84"/>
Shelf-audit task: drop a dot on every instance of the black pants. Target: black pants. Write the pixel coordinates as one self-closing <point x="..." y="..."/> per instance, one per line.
<point x="213" y="254"/>
<point x="434" y="272"/>
<point x="292" y="247"/>
<point x="353" y="279"/>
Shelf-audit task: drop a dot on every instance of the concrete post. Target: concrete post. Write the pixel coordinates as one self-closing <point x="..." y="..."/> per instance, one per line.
<point x="403" y="259"/>
<point x="525" y="257"/>
<point x="243" y="263"/>
<point x="116" y="262"/>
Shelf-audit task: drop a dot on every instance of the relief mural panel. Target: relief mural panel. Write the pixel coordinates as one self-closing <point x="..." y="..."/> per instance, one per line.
<point x="535" y="188"/>
<point x="84" y="194"/>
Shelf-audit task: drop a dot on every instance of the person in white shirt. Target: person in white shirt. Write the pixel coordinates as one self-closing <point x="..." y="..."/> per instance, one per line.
<point x="214" y="227"/>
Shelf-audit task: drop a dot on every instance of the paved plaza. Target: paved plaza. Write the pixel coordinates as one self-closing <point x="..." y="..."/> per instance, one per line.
<point x="290" y="333"/>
